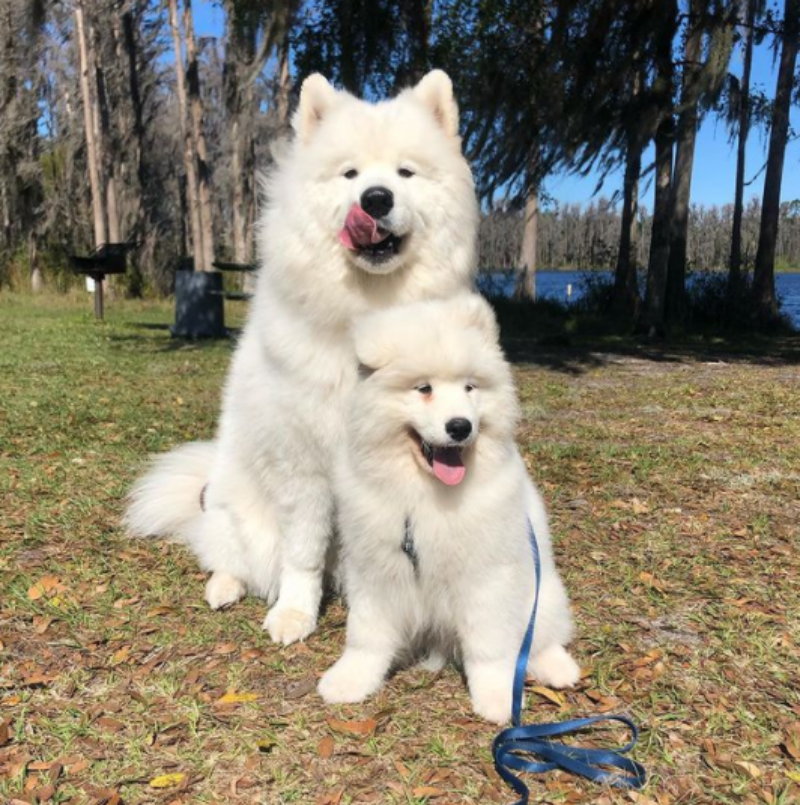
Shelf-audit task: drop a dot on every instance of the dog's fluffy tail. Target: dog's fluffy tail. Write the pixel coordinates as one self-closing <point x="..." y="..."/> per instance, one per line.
<point x="164" y="501"/>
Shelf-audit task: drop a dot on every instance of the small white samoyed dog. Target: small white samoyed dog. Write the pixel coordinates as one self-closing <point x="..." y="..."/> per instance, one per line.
<point x="434" y="503"/>
<point x="370" y="205"/>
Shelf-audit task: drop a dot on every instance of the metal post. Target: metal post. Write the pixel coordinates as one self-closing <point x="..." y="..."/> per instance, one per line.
<point x="98" y="296"/>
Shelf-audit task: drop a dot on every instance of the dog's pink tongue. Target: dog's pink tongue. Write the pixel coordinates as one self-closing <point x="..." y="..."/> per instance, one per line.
<point x="360" y="229"/>
<point x="447" y="465"/>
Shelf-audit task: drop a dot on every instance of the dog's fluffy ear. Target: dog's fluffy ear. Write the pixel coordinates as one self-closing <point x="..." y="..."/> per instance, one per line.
<point x="317" y="96"/>
<point x="477" y="313"/>
<point x="435" y="90"/>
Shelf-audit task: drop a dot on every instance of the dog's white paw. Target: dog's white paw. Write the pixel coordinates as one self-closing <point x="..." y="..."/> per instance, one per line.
<point x="345" y="683"/>
<point x="555" y="667"/>
<point x="492" y="702"/>
<point x="222" y="590"/>
<point x="289" y="625"/>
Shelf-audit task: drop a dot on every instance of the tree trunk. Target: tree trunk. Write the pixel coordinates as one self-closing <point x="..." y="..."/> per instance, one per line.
<point x="525" y="288"/>
<point x="201" y="151"/>
<point x="764" y="300"/>
<point x="653" y="313"/>
<point x="684" y="162"/>
<point x="284" y="85"/>
<point x="189" y="158"/>
<point x="735" y="275"/>
<point x="129" y="48"/>
<point x="654" y="310"/>
<point x="626" y="298"/>
<point x="89" y="117"/>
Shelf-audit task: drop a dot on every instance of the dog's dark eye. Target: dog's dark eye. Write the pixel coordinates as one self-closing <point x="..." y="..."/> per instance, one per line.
<point x="425" y="389"/>
<point x="405" y="173"/>
<point x="351" y="174"/>
<point x="469" y="387"/>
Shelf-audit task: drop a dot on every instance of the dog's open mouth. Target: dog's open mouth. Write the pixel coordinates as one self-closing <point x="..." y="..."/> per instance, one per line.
<point x="446" y="462"/>
<point x="383" y="250"/>
<point x="362" y="234"/>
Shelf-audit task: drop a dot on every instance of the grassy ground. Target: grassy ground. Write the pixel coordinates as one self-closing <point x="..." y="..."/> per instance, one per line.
<point x="673" y="480"/>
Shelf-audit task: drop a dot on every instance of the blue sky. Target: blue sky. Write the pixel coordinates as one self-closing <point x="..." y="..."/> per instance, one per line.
<point x="715" y="156"/>
<point x="714" y="171"/>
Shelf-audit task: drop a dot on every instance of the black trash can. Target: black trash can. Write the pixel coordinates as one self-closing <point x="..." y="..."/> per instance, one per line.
<point x="199" y="305"/>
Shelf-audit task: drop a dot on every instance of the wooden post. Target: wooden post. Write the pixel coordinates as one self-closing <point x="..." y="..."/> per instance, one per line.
<point x="98" y="296"/>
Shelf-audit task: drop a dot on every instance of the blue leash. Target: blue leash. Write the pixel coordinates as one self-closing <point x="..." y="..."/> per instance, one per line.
<point x="512" y="744"/>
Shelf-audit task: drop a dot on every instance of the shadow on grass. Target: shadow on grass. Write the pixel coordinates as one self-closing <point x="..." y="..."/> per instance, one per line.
<point x="171" y="344"/>
<point x="548" y="334"/>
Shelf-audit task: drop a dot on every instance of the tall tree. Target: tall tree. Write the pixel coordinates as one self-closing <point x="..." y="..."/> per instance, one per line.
<point x="90" y="117"/>
<point x="764" y="299"/>
<point x="189" y="148"/>
<point x="626" y="297"/>
<point x="653" y="313"/>
<point x="703" y="78"/>
<point x="196" y="111"/>
<point x="743" y="117"/>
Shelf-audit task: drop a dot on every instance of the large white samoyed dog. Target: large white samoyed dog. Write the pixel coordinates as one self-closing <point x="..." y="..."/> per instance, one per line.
<point x="434" y="503"/>
<point x="370" y="205"/>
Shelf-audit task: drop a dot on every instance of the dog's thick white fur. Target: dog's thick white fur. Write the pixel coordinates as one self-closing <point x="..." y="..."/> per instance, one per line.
<point x="426" y="366"/>
<point x="266" y="480"/>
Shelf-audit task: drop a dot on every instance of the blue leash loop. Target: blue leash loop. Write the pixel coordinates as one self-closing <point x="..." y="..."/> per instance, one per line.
<point x="512" y="745"/>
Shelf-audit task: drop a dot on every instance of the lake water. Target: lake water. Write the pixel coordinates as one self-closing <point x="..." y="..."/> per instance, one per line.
<point x="567" y="286"/>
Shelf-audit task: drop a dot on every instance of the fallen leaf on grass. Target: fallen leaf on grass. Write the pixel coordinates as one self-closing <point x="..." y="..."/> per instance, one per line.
<point x="167" y="780"/>
<point x="353" y="727"/>
<point x="45" y="793"/>
<point x="325" y="747"/>
<point x="232" y="697"/>
<point x="121" y="655"/>
<point x="38" y="679"/>
<point x="652" y="581"/>
<point x="427" y="791"/>
<point x="45" y="586"/>
<point x="5" y="733"/>
<point x="791" y="742"/>
<point x="750" y="768"/>
<point x="108" y="723"/>
<point x="266" y="745"/>
<point x="550" y="695"/>
<point x="41" y="623"/>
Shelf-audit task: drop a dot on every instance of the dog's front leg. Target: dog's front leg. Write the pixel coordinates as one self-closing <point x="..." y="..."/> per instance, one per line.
<point x="490" y="633"/>
<point x="305" y="513"/>
<point x="373" y="641"/>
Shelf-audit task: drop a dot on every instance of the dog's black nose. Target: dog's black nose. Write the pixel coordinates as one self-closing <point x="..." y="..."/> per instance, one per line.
<point x="458" y="428"/>
<point x="377" y="201"/>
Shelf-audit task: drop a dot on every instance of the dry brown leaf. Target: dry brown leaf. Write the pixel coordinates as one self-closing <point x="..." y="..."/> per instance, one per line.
<point x="45" y="793"/>
<point x="121" y="655"/>
<point x="550" y="695"/>
<point x="41" y="623"/>
<point x="5" y="733"/>
<point x="109" y="723"/>
<point x="45" y="585"/>
<point x="325" y="747"/>
<point x="749" y="767"/>
<point x="353" y="727"/>
<point x="427" y="791"/>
